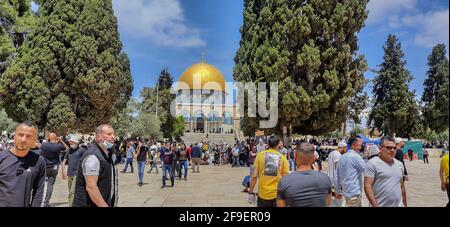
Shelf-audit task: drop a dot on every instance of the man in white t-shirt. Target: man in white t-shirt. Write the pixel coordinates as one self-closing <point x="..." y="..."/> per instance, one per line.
<point x="333" y="159"/>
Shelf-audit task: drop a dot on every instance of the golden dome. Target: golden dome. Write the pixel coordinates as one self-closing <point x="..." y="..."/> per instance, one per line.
<point x="202" y="76"/>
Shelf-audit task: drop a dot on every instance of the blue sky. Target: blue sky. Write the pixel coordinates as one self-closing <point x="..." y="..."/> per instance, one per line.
<point x="173" y="33"/>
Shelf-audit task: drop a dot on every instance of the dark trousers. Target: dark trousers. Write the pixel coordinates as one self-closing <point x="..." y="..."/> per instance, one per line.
<point x="425" y="158"/>
<point x="266" y="203"/>
<point x="50" y="179"/>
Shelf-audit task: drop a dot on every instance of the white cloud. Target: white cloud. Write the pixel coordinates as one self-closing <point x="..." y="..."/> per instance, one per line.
<point x="382" y="9"/>
<point x="433" y="27"/>
<point x="161" y="21"/>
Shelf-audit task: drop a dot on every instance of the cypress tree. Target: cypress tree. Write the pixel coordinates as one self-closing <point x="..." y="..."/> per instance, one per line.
<point x="309" y="47"/>
<point x="71" y="73"/>
<point x="435" y="96"/>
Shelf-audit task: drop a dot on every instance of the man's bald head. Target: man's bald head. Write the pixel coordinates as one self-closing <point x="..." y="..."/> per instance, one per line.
<point x="52" y="137"/>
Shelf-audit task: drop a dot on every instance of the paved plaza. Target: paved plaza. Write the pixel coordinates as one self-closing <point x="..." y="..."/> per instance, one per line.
<point x="220" y="186"/>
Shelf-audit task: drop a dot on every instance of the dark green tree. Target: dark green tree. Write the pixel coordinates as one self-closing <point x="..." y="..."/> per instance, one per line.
<point x="435" y="95"/>
<point x="160" y="99"/>
<point x="71" y="73"/>
<point x="6" y="124"/>
<point x="309" y="47"/>
<point x="165" y="80"/>
<point x="395" y="110"/>
<point x="16" y="22"/>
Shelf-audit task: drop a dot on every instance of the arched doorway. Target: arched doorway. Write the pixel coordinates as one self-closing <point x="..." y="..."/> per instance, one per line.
<point x="200" y="124"/>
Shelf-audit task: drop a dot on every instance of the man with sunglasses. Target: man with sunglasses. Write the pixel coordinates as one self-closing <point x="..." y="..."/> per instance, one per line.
<point x="383" y="177"/>
<point x="22" y="173"/>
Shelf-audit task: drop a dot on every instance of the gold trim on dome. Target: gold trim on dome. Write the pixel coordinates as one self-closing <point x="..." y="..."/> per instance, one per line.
<point x="202" y="76"/>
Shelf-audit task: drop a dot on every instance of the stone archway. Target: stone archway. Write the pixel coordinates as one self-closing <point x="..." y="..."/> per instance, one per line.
<point x="200" y="124"/>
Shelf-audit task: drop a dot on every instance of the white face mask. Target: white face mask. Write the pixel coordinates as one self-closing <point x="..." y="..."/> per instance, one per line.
<point x="74" y="146"/>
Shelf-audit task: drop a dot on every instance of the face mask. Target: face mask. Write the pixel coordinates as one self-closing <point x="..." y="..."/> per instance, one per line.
<point x="74" y="147"/>
<point x="107" y="144"/>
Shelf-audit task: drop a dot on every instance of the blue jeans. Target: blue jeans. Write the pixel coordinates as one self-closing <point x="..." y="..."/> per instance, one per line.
<point x="129" y="161"/>
<point x="236" y="161"/>
<point x="252" y="168"/>
<point x="292" y="165"/>
<point x="183" y="164"/>
<point x="167" y="167"/>
<point x="141" y="167"/>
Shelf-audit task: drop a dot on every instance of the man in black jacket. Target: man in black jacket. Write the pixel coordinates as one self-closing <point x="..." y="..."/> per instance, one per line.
<point x="96" y="182"/>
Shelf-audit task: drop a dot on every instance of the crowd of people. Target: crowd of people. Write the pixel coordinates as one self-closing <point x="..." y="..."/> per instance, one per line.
<point x="287" y="174"/>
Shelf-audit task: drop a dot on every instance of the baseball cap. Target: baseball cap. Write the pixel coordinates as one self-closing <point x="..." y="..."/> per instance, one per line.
<point x="74" y="138"/>
<point x="398" y="140"/>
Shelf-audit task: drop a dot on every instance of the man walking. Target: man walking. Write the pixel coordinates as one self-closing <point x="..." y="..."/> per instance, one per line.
<point x="51" y="152"/>
<point x="96" y="183"/>
<point x="129" y="157"/>
<point x="349" y="174"/>
<point x="383" y="181"/>
<point x="168" y="157"/>
<point x="72" y="159"/>
<point x="196" y="155"/>
<point x="333" y="160"/>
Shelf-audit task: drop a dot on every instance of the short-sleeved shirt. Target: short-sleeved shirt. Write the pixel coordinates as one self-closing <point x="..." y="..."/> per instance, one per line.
<point x="142" y="157"/>
<point x="387" y="181"/>
<point x="73" y="158"/>
<point x="91" y="166"/>
<point x="51" y="153"/>
<point x="271" y="166"/>
<point x="444" y="167"/>
<point x="305" y="189"/>
<point x="130" y="151"/>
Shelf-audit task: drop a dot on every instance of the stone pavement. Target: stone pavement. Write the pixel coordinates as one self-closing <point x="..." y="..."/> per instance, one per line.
<point x="220" y="186"/>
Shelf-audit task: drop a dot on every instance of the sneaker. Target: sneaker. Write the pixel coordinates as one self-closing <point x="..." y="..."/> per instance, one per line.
<point x="185" y="179"/>
<point x="122" y="171"/>
<point x="163" y="186"/>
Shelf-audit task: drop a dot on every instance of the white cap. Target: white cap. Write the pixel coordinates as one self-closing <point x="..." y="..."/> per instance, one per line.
<point x="342" y="144"/>
<point x="74" y="138"/>
<point x="398" y="140"/>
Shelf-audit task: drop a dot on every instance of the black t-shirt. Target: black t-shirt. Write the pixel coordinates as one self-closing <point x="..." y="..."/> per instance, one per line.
<point x="142" y="157"/>
<point x="73" y="158"/>
<point x="51" y="153"/>
<point x="36" y="150"/>
<point x="168" y="156"/>
<point x="22" y="180"/>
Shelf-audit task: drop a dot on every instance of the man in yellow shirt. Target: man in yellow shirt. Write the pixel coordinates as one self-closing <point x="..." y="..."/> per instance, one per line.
<point x="443" y="173"/>
<point x="269" y="167"/>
